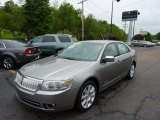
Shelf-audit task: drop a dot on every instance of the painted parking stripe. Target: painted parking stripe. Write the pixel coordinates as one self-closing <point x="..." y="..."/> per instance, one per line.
<point x="13" y="71"/>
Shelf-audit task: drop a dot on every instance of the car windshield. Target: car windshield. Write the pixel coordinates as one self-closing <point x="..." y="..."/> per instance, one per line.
<point x="83" y="51"/>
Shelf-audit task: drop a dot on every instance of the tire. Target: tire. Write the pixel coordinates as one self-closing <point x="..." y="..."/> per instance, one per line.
<point x="131" y="72"/>
<point x="8" y="63"/>
<point x="85" y="98"/>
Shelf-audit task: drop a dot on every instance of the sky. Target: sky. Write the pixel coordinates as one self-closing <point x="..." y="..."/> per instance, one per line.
<point x="148" y="20"/>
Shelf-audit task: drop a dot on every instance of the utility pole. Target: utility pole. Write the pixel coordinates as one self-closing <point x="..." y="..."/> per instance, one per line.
<point x="82" y="17"/>
<point x="125" y="26"/>
<point x="134" y="28"/>
<point x="110" y="33"/>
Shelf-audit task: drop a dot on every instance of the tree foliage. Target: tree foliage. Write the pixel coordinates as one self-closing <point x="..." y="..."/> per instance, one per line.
<point x="158" y="36"/>
<point x="148" y="37"/>
<point x="37" y="17"/>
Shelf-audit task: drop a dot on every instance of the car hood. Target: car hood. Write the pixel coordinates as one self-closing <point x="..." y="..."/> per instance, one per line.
<point x="53" y="68"/>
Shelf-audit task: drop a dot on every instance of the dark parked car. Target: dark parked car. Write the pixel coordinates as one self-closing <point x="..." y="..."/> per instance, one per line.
<point x="50" y="44"/>
<point x="13" y="53"/>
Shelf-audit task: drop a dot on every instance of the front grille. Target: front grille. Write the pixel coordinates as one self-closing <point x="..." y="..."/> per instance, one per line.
<point x="28" y="83"/>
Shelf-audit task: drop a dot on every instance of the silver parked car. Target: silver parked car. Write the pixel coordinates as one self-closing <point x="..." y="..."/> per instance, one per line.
<point x="142" y="43"/>
<point x="75" y="76"/>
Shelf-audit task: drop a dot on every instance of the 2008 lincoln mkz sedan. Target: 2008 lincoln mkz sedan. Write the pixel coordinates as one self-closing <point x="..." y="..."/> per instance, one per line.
<point x="75" y="76"/>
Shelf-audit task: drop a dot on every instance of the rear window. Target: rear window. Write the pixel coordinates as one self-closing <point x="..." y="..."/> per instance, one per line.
<point x="49" y="39"/>
<point x="64" y="39"/>
<point x="15" y="44"/>
<point x="122" y="48"/>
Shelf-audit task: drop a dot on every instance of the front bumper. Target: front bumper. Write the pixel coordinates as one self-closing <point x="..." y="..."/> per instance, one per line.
<point x="47" y="101"/>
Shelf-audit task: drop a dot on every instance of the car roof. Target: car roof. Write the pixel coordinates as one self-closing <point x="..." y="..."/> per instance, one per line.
<point x="58" y="35"/>
<point x="5" y="40"/>
<point x="102" y="41"/>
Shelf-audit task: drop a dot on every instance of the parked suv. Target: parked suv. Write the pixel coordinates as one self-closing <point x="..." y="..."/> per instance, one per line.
<point x="52" y="43"/>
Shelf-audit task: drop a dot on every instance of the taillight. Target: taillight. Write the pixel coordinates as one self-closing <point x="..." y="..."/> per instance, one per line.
<point x="28" y="52"/>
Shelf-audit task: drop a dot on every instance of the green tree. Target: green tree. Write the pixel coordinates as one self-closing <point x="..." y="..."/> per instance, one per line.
<point x="148" y="37"/>
<point x="9" y="6"/>
<point x="38" y="17"/>
<point x="158" y="36"/>
<point x="68" y="18"/>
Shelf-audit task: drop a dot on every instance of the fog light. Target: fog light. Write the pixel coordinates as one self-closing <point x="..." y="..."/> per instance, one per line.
<point x="49" y="106"/>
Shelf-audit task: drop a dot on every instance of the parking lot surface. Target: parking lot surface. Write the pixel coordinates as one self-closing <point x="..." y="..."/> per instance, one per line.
<point x="138" y="99"/>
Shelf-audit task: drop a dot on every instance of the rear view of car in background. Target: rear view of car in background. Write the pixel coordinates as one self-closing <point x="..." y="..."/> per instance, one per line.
<point x="141" y="43"/>
<point x="50" y="44"/>
<point x="14" y="53"/>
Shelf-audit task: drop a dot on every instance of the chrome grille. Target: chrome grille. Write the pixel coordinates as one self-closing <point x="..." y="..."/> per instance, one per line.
<point x="27" y="82"/>
<point x="30" y="83"/>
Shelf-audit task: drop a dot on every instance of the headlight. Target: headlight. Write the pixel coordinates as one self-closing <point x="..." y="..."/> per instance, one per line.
<point x="18" y="78"/>
<point x="56" y="85"/>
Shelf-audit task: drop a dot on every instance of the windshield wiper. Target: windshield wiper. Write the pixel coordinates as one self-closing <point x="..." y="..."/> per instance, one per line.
<point x="69" y="58"/>
<point x="65" y="57"/>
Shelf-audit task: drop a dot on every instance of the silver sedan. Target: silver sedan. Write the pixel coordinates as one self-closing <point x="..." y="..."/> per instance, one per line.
<point x="74" y="77"/>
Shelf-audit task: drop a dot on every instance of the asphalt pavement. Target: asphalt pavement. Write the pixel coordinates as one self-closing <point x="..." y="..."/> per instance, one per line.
<point x="138" y="99"/>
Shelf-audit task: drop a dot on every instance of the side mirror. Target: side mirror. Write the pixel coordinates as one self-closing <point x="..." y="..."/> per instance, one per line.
<point x="108" y="59"/>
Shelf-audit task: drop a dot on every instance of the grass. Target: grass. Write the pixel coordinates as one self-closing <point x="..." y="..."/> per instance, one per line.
<point x="8" y="35"/>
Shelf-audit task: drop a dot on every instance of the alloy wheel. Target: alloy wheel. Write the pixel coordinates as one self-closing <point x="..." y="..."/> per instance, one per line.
<point x="8" y="63"/>
<point x="88" y="96"/>
<point x="132" y="71"/>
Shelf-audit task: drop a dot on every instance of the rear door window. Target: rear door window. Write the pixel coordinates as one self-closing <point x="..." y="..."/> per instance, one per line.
<point x="110" y="50"/>
<point x="1" y="45"/>
<point x="122" y="48"/>
<point x="48" y="39"/>
<point x="64" y="39"/>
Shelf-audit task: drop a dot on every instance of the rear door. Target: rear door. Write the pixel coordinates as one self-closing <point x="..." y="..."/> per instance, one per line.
<point x="49" y="44"/>
<point x="124" y="57"/>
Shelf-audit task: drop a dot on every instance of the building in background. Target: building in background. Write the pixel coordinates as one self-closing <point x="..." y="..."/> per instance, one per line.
<point x="143" y="32"/>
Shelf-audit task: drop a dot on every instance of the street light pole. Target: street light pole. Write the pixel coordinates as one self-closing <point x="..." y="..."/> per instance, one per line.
<point x="82" y="17"/>
<point x="112" y="17"/>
